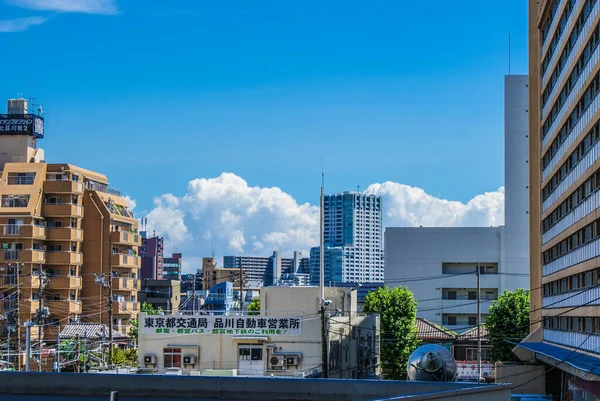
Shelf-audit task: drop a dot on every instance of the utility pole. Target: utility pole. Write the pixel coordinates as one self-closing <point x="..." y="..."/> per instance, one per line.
<point x="58" y="350"/>
<point x="241" y="288"/>
<point x="107" y="283"/>
<point x="194" y="294"/>
<point x="41" y="313"/>
<point x="27" y="345"/>
<point x="478" y="324"/>
<point x="324" y="361"/>
<point x="18" y="316"/>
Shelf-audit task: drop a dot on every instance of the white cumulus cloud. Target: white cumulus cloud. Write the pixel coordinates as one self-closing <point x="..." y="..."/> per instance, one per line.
<point x="236" y="218"/>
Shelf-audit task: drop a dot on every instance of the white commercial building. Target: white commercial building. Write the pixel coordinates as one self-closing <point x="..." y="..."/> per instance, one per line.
<point x="283" y="340"/>
<point x="439" y="264"/>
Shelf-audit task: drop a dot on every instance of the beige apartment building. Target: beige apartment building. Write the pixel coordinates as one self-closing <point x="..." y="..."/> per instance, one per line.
<point x="564" y="160"/>
<point x="64" y="236"/>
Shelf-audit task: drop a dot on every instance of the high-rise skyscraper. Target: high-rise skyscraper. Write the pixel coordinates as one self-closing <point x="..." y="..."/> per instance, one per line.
<point x="352" y="231"/>
<point x="564" y="155"/>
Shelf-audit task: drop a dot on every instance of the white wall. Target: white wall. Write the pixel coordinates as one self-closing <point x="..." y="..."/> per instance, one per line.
<point x="414" y="258"/>
<point x="516" y="178"/>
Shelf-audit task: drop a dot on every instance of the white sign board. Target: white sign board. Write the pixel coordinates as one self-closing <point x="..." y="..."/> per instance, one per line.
<point x="220" y="325"/>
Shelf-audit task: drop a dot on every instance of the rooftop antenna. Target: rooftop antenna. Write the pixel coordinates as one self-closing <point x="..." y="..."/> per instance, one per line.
<point x="213" y="249"/>
<point x="358" y="188"/>
<point x="509" y="52"/>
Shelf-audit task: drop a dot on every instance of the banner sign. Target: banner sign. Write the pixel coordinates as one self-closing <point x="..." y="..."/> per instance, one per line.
<point x="26" y="124"/>
<point x="221" y="325"/>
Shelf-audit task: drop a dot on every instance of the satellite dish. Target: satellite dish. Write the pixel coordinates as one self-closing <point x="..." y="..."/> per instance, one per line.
<point x="432" y="362"/>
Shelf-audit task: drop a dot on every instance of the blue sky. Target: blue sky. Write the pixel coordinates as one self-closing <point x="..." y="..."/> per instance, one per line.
<point x="163" y="92"/>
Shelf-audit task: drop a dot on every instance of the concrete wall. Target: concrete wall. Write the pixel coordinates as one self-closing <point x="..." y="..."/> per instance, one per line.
<point x="516" y="181"/>
<point x="524" y="379"/>
<point x="83" y="385"/>
<point x="414" y="258"/>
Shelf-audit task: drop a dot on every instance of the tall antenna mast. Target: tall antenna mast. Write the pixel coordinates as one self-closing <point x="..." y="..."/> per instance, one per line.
<point x="322" y="236"/>
<point x="509" y="52"/>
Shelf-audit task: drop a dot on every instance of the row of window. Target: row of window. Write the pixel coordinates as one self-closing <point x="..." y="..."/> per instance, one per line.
<point x="575" y="282"/>
<point x="576" y="197"/>
<point x="583" y="103"/>
<point x="545" y="28"/>
<point x="21" y="178"/>
<point x="14" y="201"/>
<point x="573" y="324"/>
<point x="560" y="27"/>
<point x="584" y="146"/>
<point x="587" y="8"/>
<point x="581" y="237"/>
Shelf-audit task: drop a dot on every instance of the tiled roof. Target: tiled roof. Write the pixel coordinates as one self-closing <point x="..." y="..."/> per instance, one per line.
<point x="91" y="331"/>
<point x="431" y="331"/>
<point x="471" y="334"/>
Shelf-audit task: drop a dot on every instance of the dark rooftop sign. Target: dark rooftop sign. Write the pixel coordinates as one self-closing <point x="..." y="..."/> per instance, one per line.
<point x="22" y="124"/>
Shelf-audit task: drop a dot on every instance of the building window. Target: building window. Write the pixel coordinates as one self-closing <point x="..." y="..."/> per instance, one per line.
<point x="472" y="320"/>
<point x="451" y="320"/>
<point x="172" y="357"/>
<point x="21" y="178"/>
<point x="15" y="200"/>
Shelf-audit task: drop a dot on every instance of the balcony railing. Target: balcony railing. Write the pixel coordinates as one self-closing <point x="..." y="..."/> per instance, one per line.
<point x="65" y="234"/>
<point x="125" y="237"/>
<point x="62" y="209"/>
<point x="64" y="258"/>
<point x="65" y="282"/>
<point x="118" y="259"/>
<point x="573" y="298"/>
<point x="23" y="231"/>
<point x="584" y="341"/>
<point x="125" y="307"/>
<point x="22" y="255"/>
<point x="64" y="306"/>
<point x="62" y="187"/>
<point x="125" y="283"/>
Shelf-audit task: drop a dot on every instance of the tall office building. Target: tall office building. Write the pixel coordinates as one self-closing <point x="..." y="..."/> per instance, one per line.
<point x="60" y="226"/>
<point x="352" y="240"/>
<point x="564" y="153"/>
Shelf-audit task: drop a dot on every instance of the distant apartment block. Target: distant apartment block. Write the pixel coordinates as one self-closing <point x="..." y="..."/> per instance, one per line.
<point x="353" y="240"/>
<point x="267" y="270"/>
<point x="151" y="253"/>
<point x="172" y="267"/>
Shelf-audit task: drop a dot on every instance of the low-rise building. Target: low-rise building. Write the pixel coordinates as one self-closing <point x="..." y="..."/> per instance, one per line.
<point x="283" y="340"/>
<point x="164" y="294"/>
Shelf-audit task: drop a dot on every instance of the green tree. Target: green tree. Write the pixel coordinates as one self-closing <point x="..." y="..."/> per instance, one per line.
<point x="508" y="320"/>
<point x="397" y="310"/>
<point x="254" y="307"/>
<point x="147" y="308"/>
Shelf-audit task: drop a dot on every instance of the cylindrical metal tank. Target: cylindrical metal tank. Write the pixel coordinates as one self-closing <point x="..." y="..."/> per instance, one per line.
<point x="432" y="362"/>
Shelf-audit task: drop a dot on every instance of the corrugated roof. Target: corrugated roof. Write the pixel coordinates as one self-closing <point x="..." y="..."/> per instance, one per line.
<point x="91" y="331"/>
<point x="431" y="331"/>
<point x="471" y="334"/>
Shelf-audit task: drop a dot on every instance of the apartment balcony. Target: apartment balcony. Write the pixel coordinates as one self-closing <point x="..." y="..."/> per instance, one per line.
<point x="62" y="210"/>
<point x="64" y="306"/>
<point x="22" y="231"/>
<point x="125" y="307"/>
<point x="584" y="341"/>
<point x="120" y="260"/>
<point x="64" y="234"/>
<point x="462" y="306"/>
<point x="64" y="258"/>
<point x="125" y="284"/>
<point x="22" y="256"/>
<point x="125" y="238"/>
<point x="65" y="282"/>
<point x="28" y="306"/>
<point x="63" y="187"/>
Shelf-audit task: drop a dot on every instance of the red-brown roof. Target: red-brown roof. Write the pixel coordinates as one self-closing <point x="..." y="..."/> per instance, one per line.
<point x="431" y="331"/>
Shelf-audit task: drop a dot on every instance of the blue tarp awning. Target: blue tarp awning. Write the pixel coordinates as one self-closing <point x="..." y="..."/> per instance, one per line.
<point x="578" y="360"/>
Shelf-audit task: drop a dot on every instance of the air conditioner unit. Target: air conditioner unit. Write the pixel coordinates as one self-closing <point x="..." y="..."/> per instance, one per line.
<point x="292" y="360"/>
<point x="189" y="360"/>
<point x="277" y="362"/>
<point x="150" y="360"/>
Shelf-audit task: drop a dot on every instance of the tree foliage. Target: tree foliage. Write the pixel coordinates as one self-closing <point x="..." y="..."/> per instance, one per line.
<point x="397" y="310"/>
<point x="127" y="357"/>
<point x="147" y="308"/>
<point x="508" y="320"/>
<point x="254" y="307"/>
